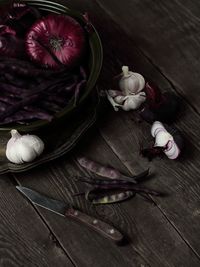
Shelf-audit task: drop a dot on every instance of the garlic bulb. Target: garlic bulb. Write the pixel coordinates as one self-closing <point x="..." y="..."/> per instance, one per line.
<point x="171" y="142"/>
<point x="131" y="82"/>
<point x="23" y="148"/>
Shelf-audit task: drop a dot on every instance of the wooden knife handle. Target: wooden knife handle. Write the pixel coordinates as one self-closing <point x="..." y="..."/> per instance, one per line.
<point x="97" y="225"/>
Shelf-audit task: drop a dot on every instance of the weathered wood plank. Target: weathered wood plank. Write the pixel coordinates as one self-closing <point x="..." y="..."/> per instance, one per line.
<point x="24" y="238"/>
<point x="135" y="164"/>
<point x="174" y="221"/>
<point x="124" y="52"/>
<point x="86" y="248"/>
<point x="122" y="140"/>
<point x="167" y="32"/>
<point x="144" y="224"/>
<point x="177" y="178"/>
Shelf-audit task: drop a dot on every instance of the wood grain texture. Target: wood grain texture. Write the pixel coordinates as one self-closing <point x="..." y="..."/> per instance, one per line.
<point x="24" y="238"/>
<point x="168" y="34"/>
<point x="151" y="239"/>
<point x="86" y="247"/>
<point x="160" y="40"/>
<point x="183" y="174"/>
<point x="135" y="212"/>
<point x="119" y="49"/>
<point x="176" y="178"/>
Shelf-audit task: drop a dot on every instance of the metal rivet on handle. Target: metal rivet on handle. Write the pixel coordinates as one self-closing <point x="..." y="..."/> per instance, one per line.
<point x="95" y="221"/>
<point x="112" y="231"/>
<point x="76" y="213"/>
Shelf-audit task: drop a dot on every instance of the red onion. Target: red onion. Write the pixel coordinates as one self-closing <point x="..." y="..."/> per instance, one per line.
<point x="56" y="40"/>
<point x="159" y="106"/>
<point x="153" y="94"/>
<point x="6" y="30"/>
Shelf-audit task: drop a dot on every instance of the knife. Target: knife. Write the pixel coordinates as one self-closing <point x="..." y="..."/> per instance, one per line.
<point x="67" y="210"/>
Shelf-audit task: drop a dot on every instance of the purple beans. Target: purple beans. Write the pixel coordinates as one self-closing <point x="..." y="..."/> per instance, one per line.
<point x="103" y="189"/>
<point x="6" y="87"/>
<point x="98" y="168"/>
<point x="49" y="106"/>
<point x="3" y="106"/>
<point x="97" y="197"/>
<point x="24" y="116"/>
<point x="17" y="106"/>
<point x="106" y="171"/>
<point x="26" y="68"/>
<point x="23" y="84"/>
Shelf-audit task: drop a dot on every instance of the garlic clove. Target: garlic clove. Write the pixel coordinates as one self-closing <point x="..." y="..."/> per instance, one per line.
<point x="156" y="127"/>
<point x="33" y="142"/>
<point x="169" y="138"/>
<point x="162" y="138"/>
<point x="25" y="153"/>
<point x="114" y="93"/>
<point x="161" y="135"/>
<point x="12" y="153"/>
<point x="133" y="102"/>
<point x="131" y="82"/>
<point x="119" y="99"/>
<point x="112" y="102"/>
<point x="172" y="151"/>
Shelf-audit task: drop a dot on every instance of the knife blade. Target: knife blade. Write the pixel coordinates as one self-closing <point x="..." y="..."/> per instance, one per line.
<point x="67" y="210"/>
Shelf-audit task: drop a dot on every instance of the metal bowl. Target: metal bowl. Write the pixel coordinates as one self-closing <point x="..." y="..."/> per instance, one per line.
<point x="95" y="59"/>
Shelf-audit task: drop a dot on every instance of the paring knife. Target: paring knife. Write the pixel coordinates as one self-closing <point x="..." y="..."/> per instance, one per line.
<point x="67" y="210"/>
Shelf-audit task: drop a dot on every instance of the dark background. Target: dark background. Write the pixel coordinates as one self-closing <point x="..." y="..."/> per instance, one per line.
<point x="161" y="40"/>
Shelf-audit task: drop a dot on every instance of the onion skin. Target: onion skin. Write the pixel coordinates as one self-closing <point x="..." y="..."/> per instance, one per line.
<point x="159" y="106"/>
<point x="10" y="44"/>
<point x="56" y="40"/>
<point x="21" y="17"/>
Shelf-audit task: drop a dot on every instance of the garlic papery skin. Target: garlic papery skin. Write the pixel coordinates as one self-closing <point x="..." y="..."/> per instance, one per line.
<point x="172" y="151"/>
<point x="162" y="138"/>
<point x="133" y="102"/>
<point x="112" y="101"/>
<point x="23" y="148"/>
<point x="156" y="127"/>
<point x="114" y="93"/>
<point x="160" y="134"/>
<point x="119" y="99"/>
<point x="131" y="82"/>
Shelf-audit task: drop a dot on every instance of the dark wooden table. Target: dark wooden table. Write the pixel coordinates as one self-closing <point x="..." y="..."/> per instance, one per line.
<point x="161" y="40"/>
